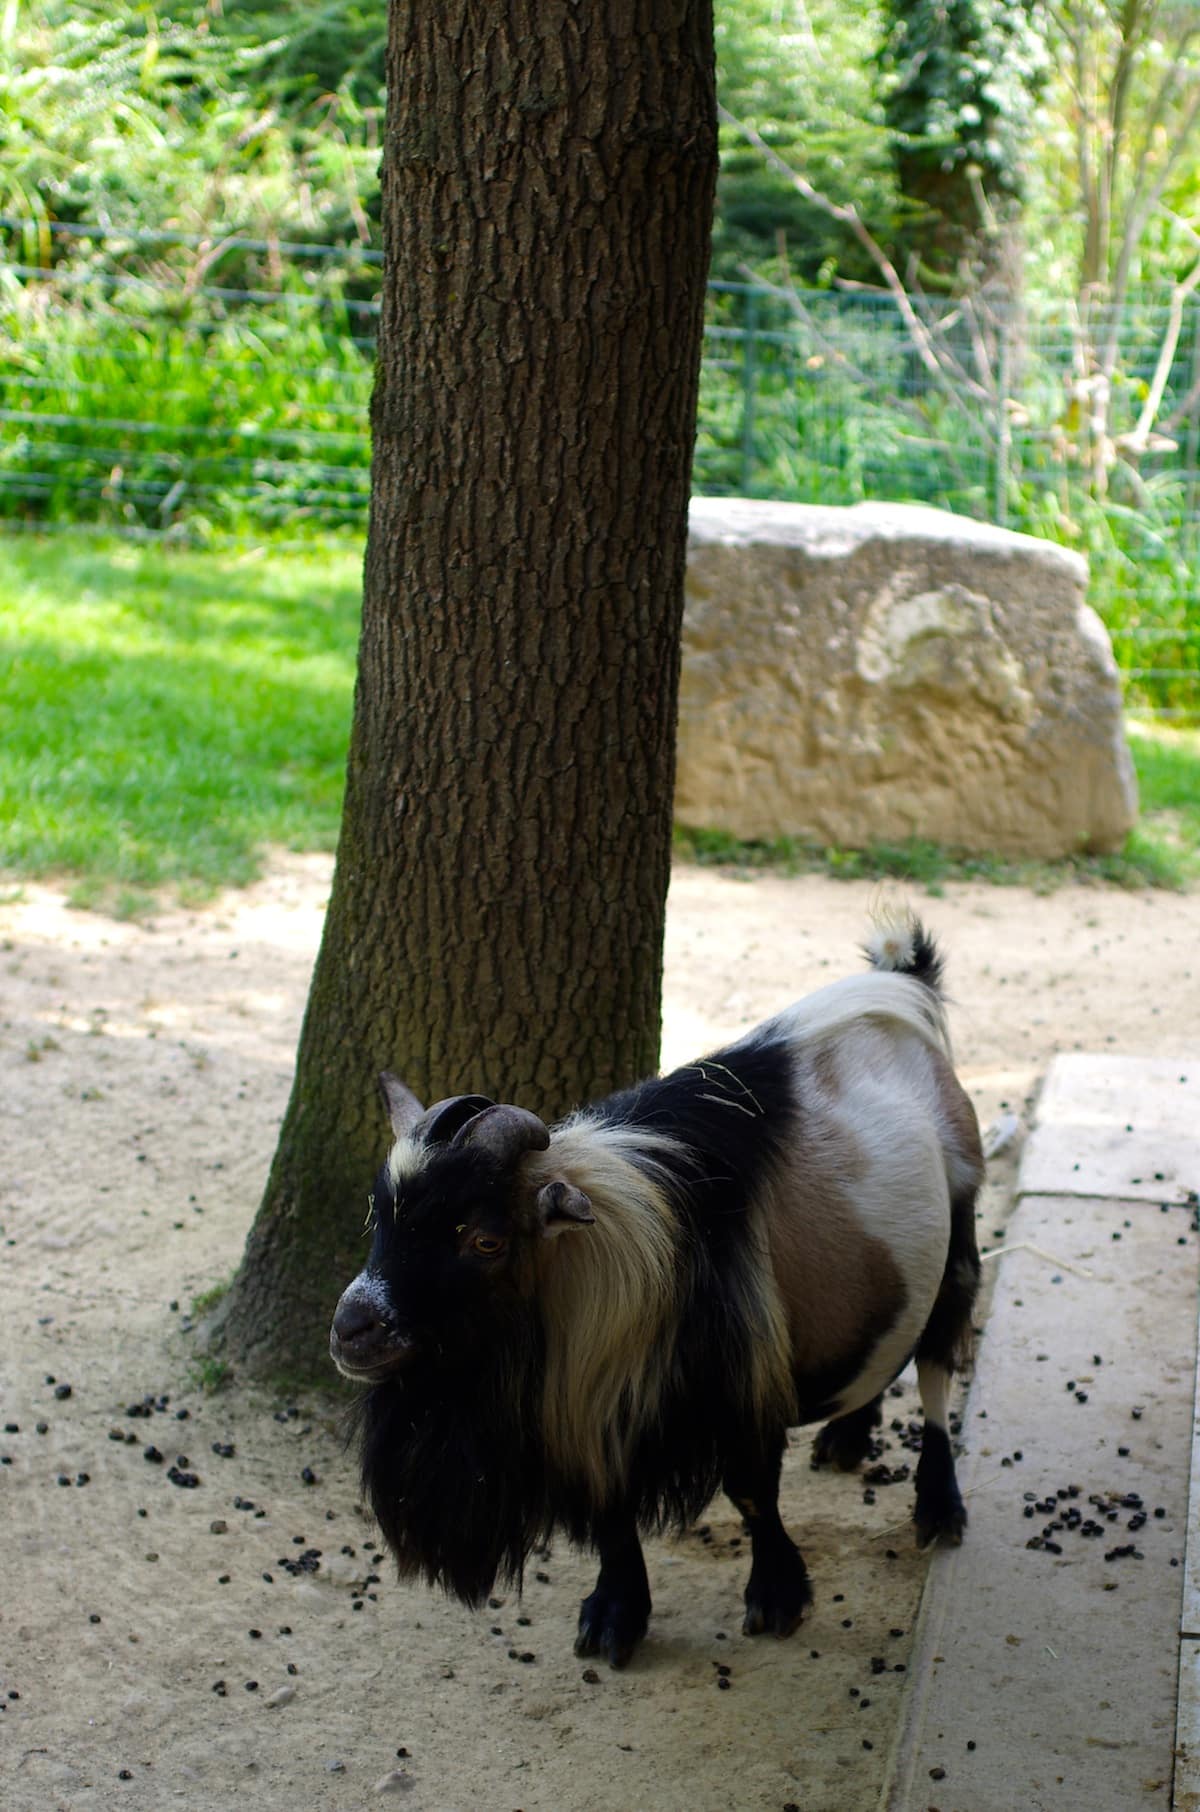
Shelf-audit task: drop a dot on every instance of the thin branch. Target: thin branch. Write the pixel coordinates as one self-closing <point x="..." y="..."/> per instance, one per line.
<point x="1132" y="31"/>
<point x="806" y="30"/>
<point x="1050" y="1258"/>
<point x="1185" y="226"/>
<point x="950" y="361"/>
<point x="206" y="257"/>
<point x="1110" y="153"/>
<point x="983" y="363"/>
<point x="1182" y="410"/>
<point x="1165" y="91"/>
<point x="787" y="292"/>
<point x="1085" y="127"/>
<point x="848" y="215"/>
<point x="1141" y="206"/>
<point x="1191" y="400"/>
<point x="1139" y="439"/>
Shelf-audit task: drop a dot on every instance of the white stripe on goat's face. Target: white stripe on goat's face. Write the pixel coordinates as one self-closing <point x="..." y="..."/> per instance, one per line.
<point x="404" y="1160"/>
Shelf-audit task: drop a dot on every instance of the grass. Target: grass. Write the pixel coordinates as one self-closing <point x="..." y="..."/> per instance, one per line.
<point x="1168" y="769"/>
<point x="169" y="715"/>
<point x="207" y="1300"/>
<point x="210" y="1374"/>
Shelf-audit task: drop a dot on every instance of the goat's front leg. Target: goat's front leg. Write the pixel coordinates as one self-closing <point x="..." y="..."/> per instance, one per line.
<point x="613" y="1618"/>
<point x="777" y="1592"/>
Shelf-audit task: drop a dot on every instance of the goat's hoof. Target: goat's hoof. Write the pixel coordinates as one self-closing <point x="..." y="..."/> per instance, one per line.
<point x="834" y="1446"/>
<point x="846" y="1441"/>
<point x="944" y="1524"/>
<point x="829" y="1450"/>
<point x="778" y="1610"/>
<point x="609" y="1628"/>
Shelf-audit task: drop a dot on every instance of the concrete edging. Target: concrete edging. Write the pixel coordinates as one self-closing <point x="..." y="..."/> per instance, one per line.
<point x="1061" y="1668"/>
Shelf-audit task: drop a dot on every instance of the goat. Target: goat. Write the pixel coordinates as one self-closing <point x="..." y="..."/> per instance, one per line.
<point x="592" y="1328"/>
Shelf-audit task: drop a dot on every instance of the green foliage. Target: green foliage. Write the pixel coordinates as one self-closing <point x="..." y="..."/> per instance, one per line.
<point x="112" y="113"/>
<point x="1168" y="769"/>
<point x="1117" y="172"/>
<point x="960" y="80"/>
<point x="149" y="404"/>
<point x="211" y="1374"/>
<point x="315" y="52"/>
<point x="207" y="1300"/>
<point x="801" y="74"/>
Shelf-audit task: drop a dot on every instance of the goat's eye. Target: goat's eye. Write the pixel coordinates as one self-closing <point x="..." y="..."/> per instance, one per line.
<point x="487" y="1245"/>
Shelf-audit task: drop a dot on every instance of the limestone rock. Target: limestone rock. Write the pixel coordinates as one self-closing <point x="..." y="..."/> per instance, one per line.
<point x="863" y="675"/>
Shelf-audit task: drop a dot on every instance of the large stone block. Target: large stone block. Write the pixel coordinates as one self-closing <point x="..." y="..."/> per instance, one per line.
<point x="888" y="671"/>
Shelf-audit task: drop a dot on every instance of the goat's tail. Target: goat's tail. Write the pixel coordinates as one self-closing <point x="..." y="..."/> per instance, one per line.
<point x="901" y="944"/>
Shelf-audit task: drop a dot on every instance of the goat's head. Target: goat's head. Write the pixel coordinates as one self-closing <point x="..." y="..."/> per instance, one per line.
<point x="454" y="1225"/>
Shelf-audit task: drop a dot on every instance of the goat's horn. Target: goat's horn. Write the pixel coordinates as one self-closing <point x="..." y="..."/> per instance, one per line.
<point x="403" y="1108"/>
<point x="446" y="1119"/>
<point x="504" y="1132"/>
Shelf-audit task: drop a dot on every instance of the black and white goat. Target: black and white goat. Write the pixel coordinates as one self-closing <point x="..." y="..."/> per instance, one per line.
<point x="592" y="1328"/>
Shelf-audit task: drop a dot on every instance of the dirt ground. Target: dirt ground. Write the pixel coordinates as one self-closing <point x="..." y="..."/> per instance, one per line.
<point x="216" y="1627"/>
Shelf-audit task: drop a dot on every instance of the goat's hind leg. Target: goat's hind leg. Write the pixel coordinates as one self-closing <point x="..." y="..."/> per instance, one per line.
<point x="944" y="1347"/>
<point x="940" y="1513"/>
<point x="777" y="1592"/>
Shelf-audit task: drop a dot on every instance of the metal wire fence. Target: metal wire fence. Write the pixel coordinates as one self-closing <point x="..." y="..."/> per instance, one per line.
<point x="167" y="387"/>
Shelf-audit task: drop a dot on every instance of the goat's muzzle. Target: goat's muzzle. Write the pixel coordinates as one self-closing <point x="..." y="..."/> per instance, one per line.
<point x="364" y="1344"/>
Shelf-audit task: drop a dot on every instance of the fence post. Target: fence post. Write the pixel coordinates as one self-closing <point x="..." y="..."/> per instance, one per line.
<point x="1003" y="426"/>
<point x="749" y="387"/>
<point x="1191" y="517"/>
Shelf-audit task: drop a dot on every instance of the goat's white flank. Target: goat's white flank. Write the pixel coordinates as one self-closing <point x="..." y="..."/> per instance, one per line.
<point x="879" y="994"/>
<point x="876" y="1115"/>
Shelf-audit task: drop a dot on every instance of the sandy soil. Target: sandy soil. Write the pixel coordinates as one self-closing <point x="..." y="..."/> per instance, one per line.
<point x="170" y="1642"/>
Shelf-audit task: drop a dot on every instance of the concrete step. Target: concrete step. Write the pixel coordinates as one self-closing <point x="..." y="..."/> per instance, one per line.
<point x="1125" y="1128"/>
<point x="1046" y="1678"/>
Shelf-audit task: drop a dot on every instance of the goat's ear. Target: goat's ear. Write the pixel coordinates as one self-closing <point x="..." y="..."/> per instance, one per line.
<point x="563" y="1209"/>
<point x="403" y="1108"/>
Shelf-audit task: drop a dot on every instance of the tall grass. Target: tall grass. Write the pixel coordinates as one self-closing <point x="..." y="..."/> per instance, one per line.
<point x="157" y="417"/>
<point x="141" y="388"/>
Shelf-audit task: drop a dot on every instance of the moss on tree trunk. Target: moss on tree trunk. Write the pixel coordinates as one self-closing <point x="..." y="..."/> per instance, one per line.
<point x="497" y="909"/>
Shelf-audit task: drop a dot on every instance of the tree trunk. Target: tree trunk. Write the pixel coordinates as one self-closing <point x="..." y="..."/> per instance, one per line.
<point x="497" y="909"/>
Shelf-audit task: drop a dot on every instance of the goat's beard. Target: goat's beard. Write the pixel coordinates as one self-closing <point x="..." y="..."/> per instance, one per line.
<point x="454" y="1469"/>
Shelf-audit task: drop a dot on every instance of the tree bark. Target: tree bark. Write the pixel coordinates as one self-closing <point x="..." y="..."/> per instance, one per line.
<point x="497" y="910"/>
